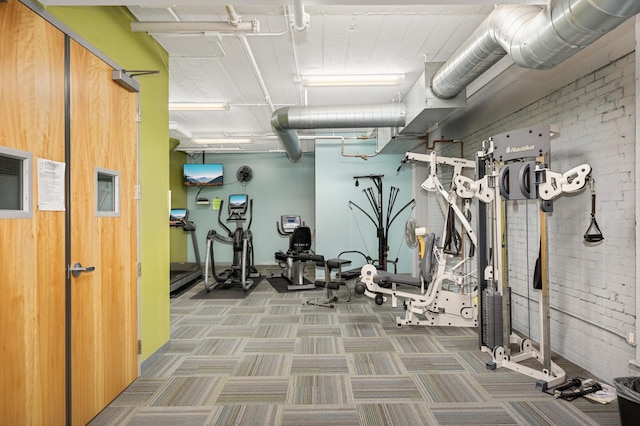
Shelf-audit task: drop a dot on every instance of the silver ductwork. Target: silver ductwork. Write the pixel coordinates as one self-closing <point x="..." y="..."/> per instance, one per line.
<point x="534" y="38"/>
<point x="285" y="121"/>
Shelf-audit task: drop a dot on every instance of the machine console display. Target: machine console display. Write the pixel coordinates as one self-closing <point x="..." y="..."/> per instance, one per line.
<point x="178" y="216"/>
<point x="290" y="222"/>
<point x="238" y="203"/>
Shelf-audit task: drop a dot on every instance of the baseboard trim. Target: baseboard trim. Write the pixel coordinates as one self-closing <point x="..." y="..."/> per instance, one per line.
<point x="154" y="356"/>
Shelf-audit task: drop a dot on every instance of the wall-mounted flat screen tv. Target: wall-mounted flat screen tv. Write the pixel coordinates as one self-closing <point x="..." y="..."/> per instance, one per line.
<point x="203" y="174"/>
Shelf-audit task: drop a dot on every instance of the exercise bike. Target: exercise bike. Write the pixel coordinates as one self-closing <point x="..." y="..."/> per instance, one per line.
<point x="242" y="269"/>
<point x="299" y="243"/>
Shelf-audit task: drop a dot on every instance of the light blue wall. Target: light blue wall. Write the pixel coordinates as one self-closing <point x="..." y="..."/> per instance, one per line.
<point x="278" y="187"/>
<point x="339" y="228"/>
<point x="319" y="189"/>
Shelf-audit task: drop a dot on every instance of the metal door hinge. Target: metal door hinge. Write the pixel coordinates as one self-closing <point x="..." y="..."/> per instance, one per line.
<point x="139" y="347"/>
<point x="139" y="269"/>
<point x="138" y="192"/>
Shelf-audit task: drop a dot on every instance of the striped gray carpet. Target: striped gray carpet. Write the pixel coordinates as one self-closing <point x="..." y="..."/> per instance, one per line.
<point x="270" y="359"/>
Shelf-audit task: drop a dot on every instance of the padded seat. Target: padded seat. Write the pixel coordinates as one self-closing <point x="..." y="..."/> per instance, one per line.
<point x="337" y="263"/>
<point x="334" y="283"/>
<point x="300" y="239"/>
<point x="384" y="278"/>
<point x="299" y="242"/>
<point x="329" y="283"/>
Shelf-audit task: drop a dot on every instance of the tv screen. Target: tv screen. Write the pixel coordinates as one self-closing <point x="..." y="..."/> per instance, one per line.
<point x="238" y="203"/>
<point x="203" y="174"/>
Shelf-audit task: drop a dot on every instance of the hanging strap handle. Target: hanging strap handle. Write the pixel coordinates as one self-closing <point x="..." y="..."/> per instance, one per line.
<point x="593" y="234"/>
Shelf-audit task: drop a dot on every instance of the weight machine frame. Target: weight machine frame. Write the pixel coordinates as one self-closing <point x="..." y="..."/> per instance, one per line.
<point x="439" y="305"/>
<point x="538" y="182"/>
<point x="376" y="202"/>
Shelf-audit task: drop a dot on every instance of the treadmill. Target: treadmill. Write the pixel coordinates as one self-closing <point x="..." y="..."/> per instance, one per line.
<point x="182" y="273"/>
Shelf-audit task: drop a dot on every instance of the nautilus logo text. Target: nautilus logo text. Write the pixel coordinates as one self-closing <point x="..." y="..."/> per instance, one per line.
<point x="522" y="148"/>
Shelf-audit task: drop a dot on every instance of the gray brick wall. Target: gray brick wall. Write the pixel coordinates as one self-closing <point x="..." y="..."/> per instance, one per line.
<point x="592" y="287"/>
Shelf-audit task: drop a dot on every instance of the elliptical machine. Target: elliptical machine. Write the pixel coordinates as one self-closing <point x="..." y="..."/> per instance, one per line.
<point x="242" y="269"/>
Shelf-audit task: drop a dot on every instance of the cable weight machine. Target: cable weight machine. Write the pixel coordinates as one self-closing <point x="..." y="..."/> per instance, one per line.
<point x="515" y="165"/>
<point x="382" y="223"/>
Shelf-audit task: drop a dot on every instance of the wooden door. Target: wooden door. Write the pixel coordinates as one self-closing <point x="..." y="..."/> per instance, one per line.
<point x="104" y="317"/>
<point x="32" y="249"/>
<point x="68" y="344"/>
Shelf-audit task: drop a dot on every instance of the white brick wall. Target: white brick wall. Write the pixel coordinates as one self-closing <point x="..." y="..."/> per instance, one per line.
<point x="592" y="286"/>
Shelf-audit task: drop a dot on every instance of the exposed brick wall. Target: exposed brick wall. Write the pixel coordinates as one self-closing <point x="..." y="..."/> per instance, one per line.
<point x="591" y="286"/>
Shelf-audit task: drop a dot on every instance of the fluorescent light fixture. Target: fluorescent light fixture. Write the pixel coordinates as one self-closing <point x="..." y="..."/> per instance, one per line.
<point x="351" y="80"/>
<point x="198" y="106"/>
<point x="209" y="149"/>
<point x="221" y="141"/>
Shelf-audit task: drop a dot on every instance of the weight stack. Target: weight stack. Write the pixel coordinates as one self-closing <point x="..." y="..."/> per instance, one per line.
<point x="491" y="318"/>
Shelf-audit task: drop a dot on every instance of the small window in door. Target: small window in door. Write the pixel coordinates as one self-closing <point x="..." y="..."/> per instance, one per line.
<point x="107" y="192"/>
<point x="15" y="183"/>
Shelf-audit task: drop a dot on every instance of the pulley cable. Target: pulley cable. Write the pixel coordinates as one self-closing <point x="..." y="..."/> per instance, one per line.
<point x="360" y="230"/>
<point x="528" y="271"/>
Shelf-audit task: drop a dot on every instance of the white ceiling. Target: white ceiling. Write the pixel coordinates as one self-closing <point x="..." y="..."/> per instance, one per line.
<point x="257" y="74"/>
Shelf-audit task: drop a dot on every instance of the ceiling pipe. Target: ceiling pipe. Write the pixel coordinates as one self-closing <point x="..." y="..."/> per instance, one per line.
<point x="285" y="121"/>
<point x="173" y="14"/>
<point x="256" y="70"/>
<point x="193" y="27"/>
<point x="235" y="20"/>
<point x="301" y="20"/>
<point x="534" y="37"/>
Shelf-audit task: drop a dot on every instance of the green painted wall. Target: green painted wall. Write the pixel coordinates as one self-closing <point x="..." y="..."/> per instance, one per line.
<point x="178" y="238"/>
<point x="108" y="29"/>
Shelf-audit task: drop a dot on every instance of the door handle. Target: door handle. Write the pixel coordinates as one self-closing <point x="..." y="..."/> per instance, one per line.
<point x="77" y="269"/>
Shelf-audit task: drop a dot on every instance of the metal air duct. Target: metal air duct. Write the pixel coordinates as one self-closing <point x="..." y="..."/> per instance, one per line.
<point x="285" y="121"/>
<point x="534" y="38"/>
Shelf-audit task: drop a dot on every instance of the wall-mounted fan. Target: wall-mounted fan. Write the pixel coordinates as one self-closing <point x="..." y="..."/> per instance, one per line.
<point x="410" y="232"/>
<point x="244" y="174"/>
